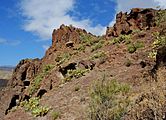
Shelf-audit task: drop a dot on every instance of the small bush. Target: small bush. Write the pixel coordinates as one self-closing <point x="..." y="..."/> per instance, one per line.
<point x="89" y="40"/>
<point x="160" y="40"/>
<point x="35" y="85"/>
<point x="131" y="48"/>
<point x="33" y="106"/>
<point x="135" y="31"/>
<point x="121" y="38"/>
<point x="97" y="45"/>
<point x="153" y="54"/>
<point x="81" y="47"/>
<point x="55" y="115"/>
<point x="139" y="44"/>
<point x="47" y="68"/>
<point x="86" y="39"/>
<point x="62" y="58"/>
<point x="160" y="17"/>
<point x="97" y="55"/>
<point x="75" y="74"/>
<point x="108" y="100"/>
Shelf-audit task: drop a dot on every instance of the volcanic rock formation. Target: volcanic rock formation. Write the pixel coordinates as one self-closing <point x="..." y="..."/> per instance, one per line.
<point x="132" y="52"/>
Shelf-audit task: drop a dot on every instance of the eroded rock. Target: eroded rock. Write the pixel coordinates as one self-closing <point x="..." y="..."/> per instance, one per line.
<point x="137" y="19"/>
<point x="24" y="71"/>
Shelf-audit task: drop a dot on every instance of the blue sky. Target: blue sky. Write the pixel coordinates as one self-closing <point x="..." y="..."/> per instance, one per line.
<point x="26" y="25"/>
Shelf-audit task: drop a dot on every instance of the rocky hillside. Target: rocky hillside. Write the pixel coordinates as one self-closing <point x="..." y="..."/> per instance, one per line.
<point x="120" y="75"/>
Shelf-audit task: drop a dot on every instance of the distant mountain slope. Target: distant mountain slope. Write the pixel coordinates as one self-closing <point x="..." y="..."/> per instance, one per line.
<point x="6" y="72"/>
<point x="6" y="68"/>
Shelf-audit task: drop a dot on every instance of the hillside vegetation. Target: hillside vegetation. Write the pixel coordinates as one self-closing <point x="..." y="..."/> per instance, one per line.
<point x="117" y="76"/>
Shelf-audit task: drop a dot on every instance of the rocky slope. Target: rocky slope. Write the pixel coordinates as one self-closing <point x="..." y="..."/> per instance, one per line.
<point x="120" y="75"/>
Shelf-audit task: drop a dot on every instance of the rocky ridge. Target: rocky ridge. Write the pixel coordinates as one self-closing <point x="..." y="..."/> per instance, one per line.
<point x="132" y="52"/>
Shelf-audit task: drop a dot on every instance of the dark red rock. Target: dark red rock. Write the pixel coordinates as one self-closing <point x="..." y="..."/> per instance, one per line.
<point x="25" y="70"/>
<point x="137" y="19"/>
<point x="65" y="34"/>
<point x="64" y="38"/>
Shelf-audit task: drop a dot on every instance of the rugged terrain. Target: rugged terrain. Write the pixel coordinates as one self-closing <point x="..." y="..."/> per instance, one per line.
<point x="120" y="75"/>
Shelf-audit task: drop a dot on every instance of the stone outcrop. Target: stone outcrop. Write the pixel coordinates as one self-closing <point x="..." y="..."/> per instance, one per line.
<point x="63" y="39"/>
<point x="24" y="72"/>
<point x="46" y="76"/>
<point x="137" y="19"/>
<point x="66" y="35"/>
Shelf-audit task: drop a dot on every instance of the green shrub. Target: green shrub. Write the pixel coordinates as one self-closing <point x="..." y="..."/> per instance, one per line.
<point x="48" y="68"/>
<point x="108" y="100"/>
<point x="40" y="111"/>
<point x="139" y="44"/>
<point x="131" y="48"/>
<point x="81" y="47"/>
<point x="153" y="54"/>
<point x="62" y="58"/>
<point x="136" y="31"/>
<point x="55" y="115"/>
<point x="160" y="40"/>
<point x="75" y="74"/>
<point x="97" y="55"/>
<point x="160" y="17"/>
<point x="35" y="85"/>
<point x="97" y="45"/>
<point x="121" y="38"/>
<point x="89" y="40"/>
<point x="33" y="106"/>
<point x="86" y="39"/>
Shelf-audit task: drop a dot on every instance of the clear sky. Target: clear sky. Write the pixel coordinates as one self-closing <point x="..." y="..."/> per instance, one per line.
<point x="26" y="25"/>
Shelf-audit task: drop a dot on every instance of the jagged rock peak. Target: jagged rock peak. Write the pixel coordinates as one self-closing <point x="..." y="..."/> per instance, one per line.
<point x="66" y="34"/>
<point x="138" y="19"/>
<point x="64" y="38"/>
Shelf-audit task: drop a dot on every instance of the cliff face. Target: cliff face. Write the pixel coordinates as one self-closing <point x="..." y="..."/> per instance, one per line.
<point x="132" y="52"/>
